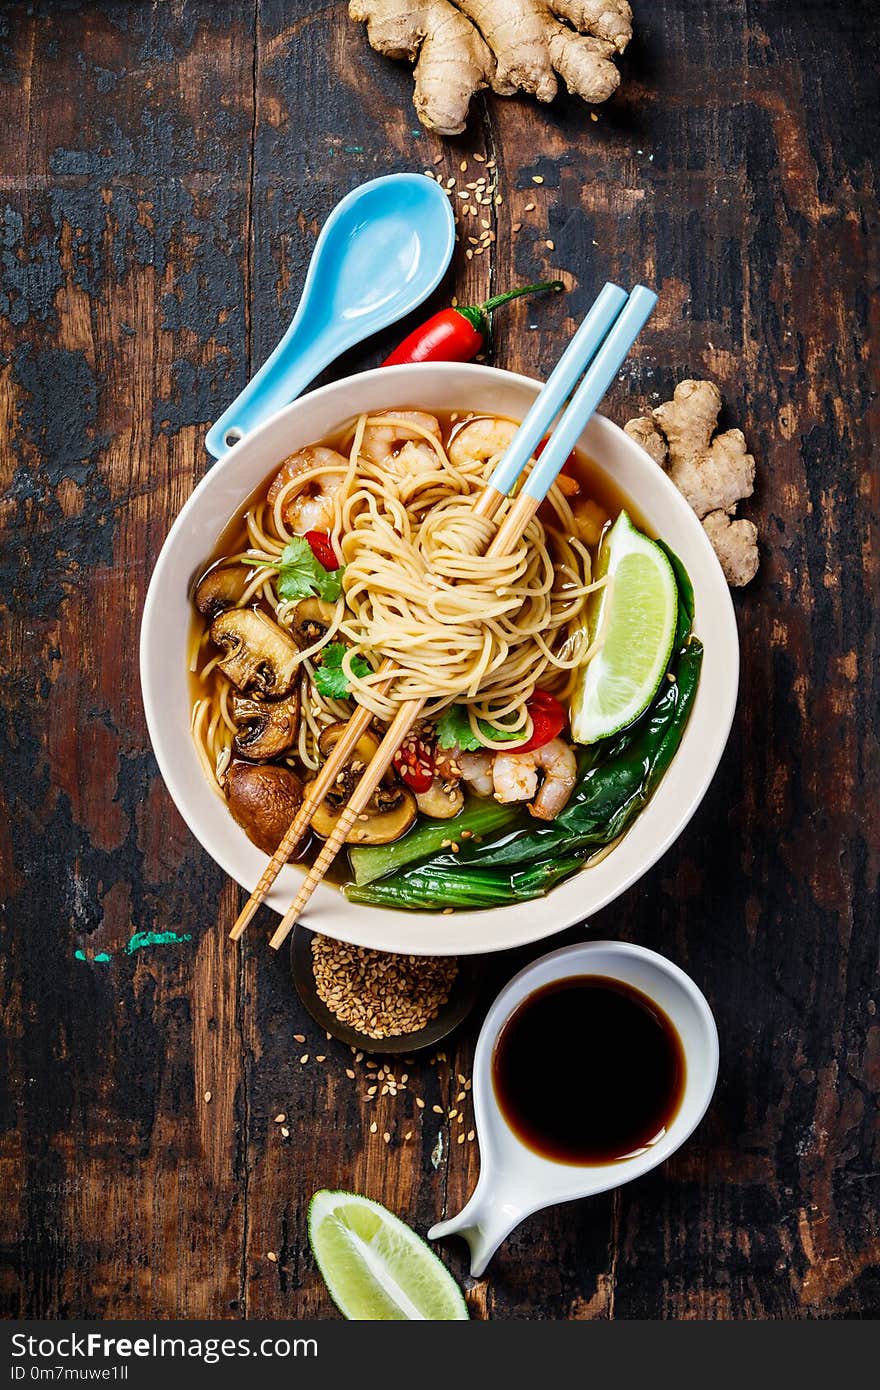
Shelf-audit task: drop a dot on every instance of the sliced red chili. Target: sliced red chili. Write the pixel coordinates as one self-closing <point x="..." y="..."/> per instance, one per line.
<point x="549" y="718"/>
<point x="322" y="549"/>
<point x="414" y="763"/>
<point x="570" y="465"/>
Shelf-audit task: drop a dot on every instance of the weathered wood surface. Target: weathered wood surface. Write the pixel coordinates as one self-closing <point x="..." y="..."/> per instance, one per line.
<point x="165" y="168"/>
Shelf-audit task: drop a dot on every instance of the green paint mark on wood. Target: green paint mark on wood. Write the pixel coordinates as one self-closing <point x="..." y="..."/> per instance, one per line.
<point x="154" y="938"/>
<point x="101" y="957"/>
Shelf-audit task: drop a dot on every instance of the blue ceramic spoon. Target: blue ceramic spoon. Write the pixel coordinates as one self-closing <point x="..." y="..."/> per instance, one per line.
<point x="383" y="249"/>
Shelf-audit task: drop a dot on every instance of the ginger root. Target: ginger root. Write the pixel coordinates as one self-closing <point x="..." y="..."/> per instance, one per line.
<point x="461" y="46"/>
<point x="713" y="474"/>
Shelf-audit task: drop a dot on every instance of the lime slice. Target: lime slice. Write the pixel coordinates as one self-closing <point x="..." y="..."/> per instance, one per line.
<point x="635" y="614"/>
<point x="376" y="1268"/>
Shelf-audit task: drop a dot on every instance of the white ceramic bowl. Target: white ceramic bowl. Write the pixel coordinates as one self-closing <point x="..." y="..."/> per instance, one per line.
<point x="165" y="682"/>
<point x="515" y="1180"/>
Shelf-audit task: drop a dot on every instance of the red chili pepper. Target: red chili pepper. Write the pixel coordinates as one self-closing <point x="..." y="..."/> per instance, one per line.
<point x="322" y="549"/>
<point x="456" y="335"/>
<point x="570" y="465"/>
<point x="414" y="763"/>
<point x="549" y="718"/>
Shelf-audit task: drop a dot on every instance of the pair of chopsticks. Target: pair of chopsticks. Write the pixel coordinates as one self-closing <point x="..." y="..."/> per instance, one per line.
<point x="595" y="353"/>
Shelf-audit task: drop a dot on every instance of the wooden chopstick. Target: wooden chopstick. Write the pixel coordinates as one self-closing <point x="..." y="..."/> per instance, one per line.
<point x="609" y="347"/>
<point x="487" y="505"/>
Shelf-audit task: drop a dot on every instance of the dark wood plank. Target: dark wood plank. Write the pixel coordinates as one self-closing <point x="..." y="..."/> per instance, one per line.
<point x="169" y="168"/>
<point x="125" y="199"/>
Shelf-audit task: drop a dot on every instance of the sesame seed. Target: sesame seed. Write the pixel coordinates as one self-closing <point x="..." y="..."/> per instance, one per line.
<point x="207" y="1097"/>
<point x="270" y="1255"/>
<point x="437" y="1109"/>
<point x="537" y="178"/>
<point x="299" y="1037"/>
<point x="420" y="1103"/>
<point x="285" y="1132"/>
<point x="471" y="1134"/>
<point x="373" y="1127"/>
<point x="303" y="1059"/>
<point x="529" y="207"/>
<point x="387" y="1137"/>
<point x="349" y="1073"/>
<point x="280" y="1118"/>
<point x="551" y="245"/>
<point x="381" y="995"/>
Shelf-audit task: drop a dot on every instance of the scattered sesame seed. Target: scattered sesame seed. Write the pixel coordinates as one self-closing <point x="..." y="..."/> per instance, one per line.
<point x="280" y="1118"/>
<point x="285" y="1132"/>
<point x="471" y="1134"/>
<point x="537" y="178"/>
<point x="299" y="1037"/>
<point x="463" y="166"/>
<point x="270" y="1255"/>
<point x="437" y="1109"/>
<point x="387" y="1137"/>
<point x="322" y="1058"/>
<point x="551" y="245"/>
<point x="207" y="1097"/>
<point x="303" y="1059"/>
<point x="373" y="1127"/>
<point x="529" y="207"/>
<point x="349" y="1073"/>
<point x="593" y="116"/>
<point x="420" y="1103"/>
<point x="408" y="1134"/>
<point x="461" y="1139"/>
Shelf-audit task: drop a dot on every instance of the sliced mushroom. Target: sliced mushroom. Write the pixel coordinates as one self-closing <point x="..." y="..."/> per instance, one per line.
<point x="348" y="778"/>
<point x="380" y="825"/>
<point x="259" y="655"/>
<point x="441" y="801"/>
<point x="311" y="619"/>
<point x="266" y="728"/>
<point x="264" y="800"/>
<point x="220" y="588"/>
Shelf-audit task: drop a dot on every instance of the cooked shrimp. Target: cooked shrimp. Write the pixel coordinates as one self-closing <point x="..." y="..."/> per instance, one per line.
<point x="395" y="434"/>
<point x="481" y="440"/>
<point x="309" y="508"/>
<point x="515" y="777"/>
<point x="476" y="771"/>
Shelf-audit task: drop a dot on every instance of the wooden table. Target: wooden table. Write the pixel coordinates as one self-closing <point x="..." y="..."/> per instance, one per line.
<point x="166" y="169"/>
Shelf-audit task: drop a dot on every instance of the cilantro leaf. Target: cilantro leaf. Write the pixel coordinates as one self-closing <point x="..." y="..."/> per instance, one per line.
<point x="454" y="727"/>
<point x="330" y="679"/>
<point x="301" y="574"/>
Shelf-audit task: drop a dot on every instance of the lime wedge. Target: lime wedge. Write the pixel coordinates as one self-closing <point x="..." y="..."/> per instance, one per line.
<point x="635" y="614"/>
<point x="376" y="1268"/>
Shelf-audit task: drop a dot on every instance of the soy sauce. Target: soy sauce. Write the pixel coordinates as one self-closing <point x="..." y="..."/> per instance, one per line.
<point x="588" y="1070"/>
